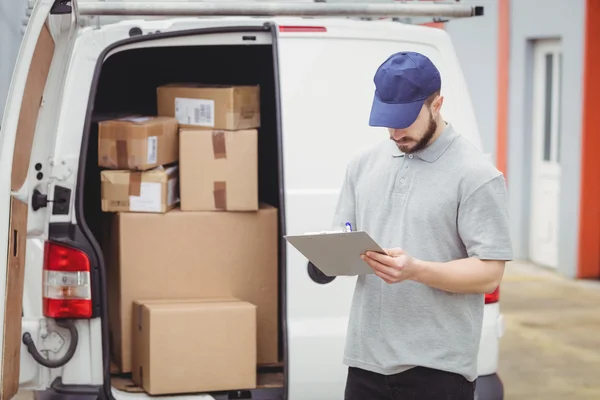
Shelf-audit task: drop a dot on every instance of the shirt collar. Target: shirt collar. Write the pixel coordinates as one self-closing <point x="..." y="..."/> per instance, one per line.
<point x="435" y="150"/>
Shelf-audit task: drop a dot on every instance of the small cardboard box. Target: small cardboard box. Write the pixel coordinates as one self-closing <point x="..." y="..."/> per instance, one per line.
<point x="194" y="346"/>
<point x="154" y="191"/>
<point x="211" y="106"/>
<point x="181" y="255"/>
<point x="138" y="143"/>
<point x="219" y="170"/>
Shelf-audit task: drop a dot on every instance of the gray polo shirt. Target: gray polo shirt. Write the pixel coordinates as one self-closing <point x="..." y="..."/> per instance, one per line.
<point x="443" y="203"/>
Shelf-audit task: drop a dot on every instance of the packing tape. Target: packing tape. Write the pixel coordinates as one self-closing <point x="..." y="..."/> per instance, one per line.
<point x="135" y="183"/>
<point x="122" y="156"/>
<point x="218" y="142"/>
<point x="220" y="194"/>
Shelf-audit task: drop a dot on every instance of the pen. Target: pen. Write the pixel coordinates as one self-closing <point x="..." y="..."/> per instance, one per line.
<point x="348" y="227"/>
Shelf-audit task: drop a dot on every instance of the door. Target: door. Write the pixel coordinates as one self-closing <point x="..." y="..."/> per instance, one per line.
<point x="24" y="109"/>
<point x="325" y="109"/>
<point x="545" y="179"/>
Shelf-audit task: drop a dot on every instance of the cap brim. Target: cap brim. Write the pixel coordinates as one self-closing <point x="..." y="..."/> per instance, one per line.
<point x="398" y="116"/>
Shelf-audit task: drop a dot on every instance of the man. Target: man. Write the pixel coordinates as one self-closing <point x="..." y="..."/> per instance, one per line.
<point x="438" y="207"/>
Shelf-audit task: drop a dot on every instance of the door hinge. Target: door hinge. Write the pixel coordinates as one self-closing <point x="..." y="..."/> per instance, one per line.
<point x="60" y="170"/>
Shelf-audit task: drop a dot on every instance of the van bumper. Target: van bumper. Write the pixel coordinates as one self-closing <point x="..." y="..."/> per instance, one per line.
<point x="59" y="391"/>
<point x="489" y="387"/>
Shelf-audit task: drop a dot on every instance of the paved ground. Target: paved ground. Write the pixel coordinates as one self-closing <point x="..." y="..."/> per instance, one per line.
<point x="551" y="347"/>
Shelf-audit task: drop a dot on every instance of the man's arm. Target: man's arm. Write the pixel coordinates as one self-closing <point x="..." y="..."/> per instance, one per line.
<point x="467" y="275"/>
<point x="484" y="228"/>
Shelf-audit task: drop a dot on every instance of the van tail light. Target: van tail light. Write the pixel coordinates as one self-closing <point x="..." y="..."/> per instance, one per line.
<point x="493" y="297"/>
<point x="67" y="288"/>
<point x="289" y="28"/>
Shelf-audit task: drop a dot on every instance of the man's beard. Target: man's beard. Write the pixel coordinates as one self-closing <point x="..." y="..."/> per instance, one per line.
<point x="422" y="143"/>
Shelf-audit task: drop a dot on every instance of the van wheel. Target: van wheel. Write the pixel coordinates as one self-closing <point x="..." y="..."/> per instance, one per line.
<point x="317" y="276"/>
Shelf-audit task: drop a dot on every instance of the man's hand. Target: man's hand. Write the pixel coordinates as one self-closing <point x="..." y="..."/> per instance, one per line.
<point x="396" y="266"/>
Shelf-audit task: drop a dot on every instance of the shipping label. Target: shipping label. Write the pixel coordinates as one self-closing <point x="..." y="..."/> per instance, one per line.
<point x="199" y="112"/>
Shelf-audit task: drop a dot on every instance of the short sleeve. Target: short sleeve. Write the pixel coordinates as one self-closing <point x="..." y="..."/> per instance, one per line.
<point x="483" y="222"/>
<point x="345" y="210"/>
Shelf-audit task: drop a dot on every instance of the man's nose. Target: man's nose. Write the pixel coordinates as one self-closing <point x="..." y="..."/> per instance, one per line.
<point x="398" y="133"/>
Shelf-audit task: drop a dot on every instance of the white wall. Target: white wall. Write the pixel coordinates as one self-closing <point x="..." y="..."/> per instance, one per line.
<point x="12" y="17"/>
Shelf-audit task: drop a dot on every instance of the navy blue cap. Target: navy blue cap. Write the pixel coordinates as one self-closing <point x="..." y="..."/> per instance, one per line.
<point x="402" y="84"/>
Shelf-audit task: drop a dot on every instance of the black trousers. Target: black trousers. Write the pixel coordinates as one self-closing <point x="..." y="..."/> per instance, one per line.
<point x="415" y="384"/>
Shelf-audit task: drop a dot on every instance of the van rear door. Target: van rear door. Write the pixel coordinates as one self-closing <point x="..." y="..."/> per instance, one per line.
<point x="27" y="124"/>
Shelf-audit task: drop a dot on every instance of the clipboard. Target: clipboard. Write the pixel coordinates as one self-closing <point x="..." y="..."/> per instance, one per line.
<point x="336" y="253"/>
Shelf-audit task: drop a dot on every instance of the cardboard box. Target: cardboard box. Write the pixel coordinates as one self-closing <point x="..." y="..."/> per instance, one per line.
<point x="92" y="190"/>
<point x="138" y="143"/>
<point x="194" y="346"/>
<point x="219" y="170"/>
<point x="211" y="106"/>
<point x="193" y="254"/>
<point x="149" y="191"/>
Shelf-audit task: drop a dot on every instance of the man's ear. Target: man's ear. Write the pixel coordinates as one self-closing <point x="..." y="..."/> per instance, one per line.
<point x="436" y="105"/>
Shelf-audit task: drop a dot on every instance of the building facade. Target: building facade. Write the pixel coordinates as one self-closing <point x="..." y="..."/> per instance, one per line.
<point x="540" y="55"/>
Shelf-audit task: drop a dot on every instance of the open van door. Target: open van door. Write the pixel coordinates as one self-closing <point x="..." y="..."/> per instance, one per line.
<point x="29" y="93"/>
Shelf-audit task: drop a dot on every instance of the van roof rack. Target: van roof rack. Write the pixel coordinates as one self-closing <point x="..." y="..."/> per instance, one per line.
<point x="318" y="8"/>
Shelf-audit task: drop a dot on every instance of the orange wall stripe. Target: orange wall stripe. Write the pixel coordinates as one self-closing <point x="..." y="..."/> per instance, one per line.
<point x="589" y="206"/>
<point x="502" y="101"/>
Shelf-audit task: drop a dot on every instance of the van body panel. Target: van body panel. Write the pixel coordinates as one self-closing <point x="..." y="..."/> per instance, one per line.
<point x="491" y="332"/>
<point x="326" y="95"/>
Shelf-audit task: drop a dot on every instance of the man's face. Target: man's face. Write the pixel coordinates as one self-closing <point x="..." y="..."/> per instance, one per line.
<point x="417" y="136"/>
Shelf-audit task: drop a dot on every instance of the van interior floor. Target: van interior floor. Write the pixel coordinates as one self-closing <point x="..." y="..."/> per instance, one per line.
<point x="267" y="378"/>
<point x="127" y="86"/>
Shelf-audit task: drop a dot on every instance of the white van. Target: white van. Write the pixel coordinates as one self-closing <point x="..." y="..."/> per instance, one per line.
<point x="315" y="76"/>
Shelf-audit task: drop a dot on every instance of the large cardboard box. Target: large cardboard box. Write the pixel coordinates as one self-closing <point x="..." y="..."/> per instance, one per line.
<point x="194" y="346"/>
<point x="149" y="191"/>
<point x="193" y="254"/>
<point x="138" y="143"/>
<point x="210" y="106"/>
<point x="219" y="170"/>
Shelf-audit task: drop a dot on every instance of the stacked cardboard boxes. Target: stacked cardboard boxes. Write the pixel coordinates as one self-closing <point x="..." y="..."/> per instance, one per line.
<point x="194" y="289"/>
<point x="218" y="144"/>
<point x="140" y="155"/>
